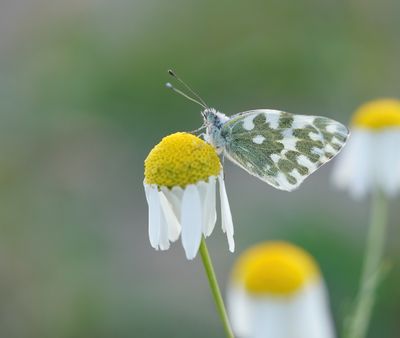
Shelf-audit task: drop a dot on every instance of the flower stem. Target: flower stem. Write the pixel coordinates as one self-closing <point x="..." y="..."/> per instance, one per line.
<point x="212" y="279"/>
<point x="372" y="269"/>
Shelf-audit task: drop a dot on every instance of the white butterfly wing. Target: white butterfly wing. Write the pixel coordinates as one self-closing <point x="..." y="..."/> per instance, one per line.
<point x="280" y="148"/>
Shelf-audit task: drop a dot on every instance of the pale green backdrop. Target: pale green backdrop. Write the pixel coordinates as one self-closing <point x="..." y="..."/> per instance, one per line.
<point x="82" y="101"/>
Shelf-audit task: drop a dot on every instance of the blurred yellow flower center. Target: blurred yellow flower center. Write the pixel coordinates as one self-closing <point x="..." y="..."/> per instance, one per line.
<point x="378" y="114"/>
<point x="181" y="159"/>
<point x="276" y="268"/>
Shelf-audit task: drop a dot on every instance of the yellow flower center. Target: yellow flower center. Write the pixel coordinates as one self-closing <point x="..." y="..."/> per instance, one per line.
<point x="378" y="114"/>
<point x="181" y="159"/>
<point x="276" y="268"/>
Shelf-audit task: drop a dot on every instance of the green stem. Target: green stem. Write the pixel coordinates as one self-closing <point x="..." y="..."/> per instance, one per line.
<point x="372" y="269"/>
<point x="212" y="279"/>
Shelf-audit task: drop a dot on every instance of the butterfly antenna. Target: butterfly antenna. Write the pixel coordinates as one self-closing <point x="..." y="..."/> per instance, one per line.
<point x="173" y="74"/>
<point x="170" y="86"/>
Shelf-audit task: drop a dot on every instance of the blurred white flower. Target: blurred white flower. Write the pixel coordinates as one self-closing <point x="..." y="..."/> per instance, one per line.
<point x="371" y="158"/>
<point x="180" y="186"/>
<point x="276" y="291"/>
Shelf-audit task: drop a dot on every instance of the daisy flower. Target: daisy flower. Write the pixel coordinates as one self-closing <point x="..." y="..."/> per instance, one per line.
<point x="371" y="163"/>
<point x="371" y="158"/>
<point x="180" y="185"/>
<point x="276" y="291"/>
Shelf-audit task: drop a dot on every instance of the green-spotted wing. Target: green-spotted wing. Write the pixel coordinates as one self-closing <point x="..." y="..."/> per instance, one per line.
<point x="280" y="148"/>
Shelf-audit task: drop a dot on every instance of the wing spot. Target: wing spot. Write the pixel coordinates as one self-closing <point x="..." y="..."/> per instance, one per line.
<point x="283" y="182"/>
<point x="331" y="128"/>
<point x="330" y="149"/>
<point x="272" y="119"/>
<point x="275" y="158"/>
<point x="287" y="133"/>
<point x="336" y="141"/>
<point x="258" y="139"/>
<point x="301" y="121"/>
<point x="317" y="151"/>
<point x="305" y="162"/>
<point x="289" y="143"/>
<point x="248" y="123"/>
<point x="295" y="173"/>
<point x="315" y="136"/>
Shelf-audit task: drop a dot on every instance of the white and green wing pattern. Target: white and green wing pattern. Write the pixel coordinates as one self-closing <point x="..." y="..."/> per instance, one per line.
<point x="280" y="148"/>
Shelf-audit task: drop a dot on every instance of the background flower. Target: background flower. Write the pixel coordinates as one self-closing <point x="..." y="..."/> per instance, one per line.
<point x="371" y="158"/>
<point x="371" y="163"/>
<point x="277" y="291"/>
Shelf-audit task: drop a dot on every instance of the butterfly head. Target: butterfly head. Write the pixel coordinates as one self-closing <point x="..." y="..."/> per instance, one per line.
<point x="213" y="121"/>
<point x="213" y="118"/>
<point x="210" y="115"/>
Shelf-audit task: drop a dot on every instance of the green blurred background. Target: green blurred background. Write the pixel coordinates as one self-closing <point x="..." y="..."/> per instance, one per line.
<point x="82" y="102"/>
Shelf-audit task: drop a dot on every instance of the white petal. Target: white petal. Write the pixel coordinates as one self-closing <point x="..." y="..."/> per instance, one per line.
<point x="271" y="317"/>
<point x="303" y="314"/>
<point x="154" y="216"/>
<point x="164" y="242"/>
<point x="387" y="163"/>
<point x="146" y="191"/>
<point x="238" y="309"/>
<point x="353" y="168"/>
<point x="227" y="224"/>
<point x="191" y="220"/>
<point x="202" y="188"/>
<point x="396" y="168"/>
<point x="174" y="196"/>
<point x="311" y="315"/>
<point x="210" y="210"/>
<point x="174" y="227"/>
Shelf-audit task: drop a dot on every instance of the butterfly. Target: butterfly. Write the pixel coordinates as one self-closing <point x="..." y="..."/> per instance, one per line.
<point x="280" y="148"/>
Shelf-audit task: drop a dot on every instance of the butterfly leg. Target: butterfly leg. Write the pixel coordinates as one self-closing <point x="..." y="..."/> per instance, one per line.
<point x="197" y="130"/>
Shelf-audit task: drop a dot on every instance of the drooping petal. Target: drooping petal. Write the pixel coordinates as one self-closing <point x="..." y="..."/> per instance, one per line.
<point x="310" y="313"/>
<point x="164" y="241"/>
<point x="239" y="312"/>
<point x="174" y="196"/>
<point x="191" y="220"/>
<point x="363" y="170"/>
<point x="202" y="188"/>
<point x="174" y="227"/>
<point x="154" y="216"/>
<point x="227" y="224"/>
<point x="271" y="317"/>
<point x="210" y="210"/>
<point x="146" y="191"/>
<point x="354" y="166"/>
<point x="387" y="163"/>
<point x="302" y="314"/>
<point x="396" y="168"/>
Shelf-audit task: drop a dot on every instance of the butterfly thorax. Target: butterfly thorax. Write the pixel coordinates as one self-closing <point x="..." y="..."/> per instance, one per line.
<point x="214" y="121"/>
